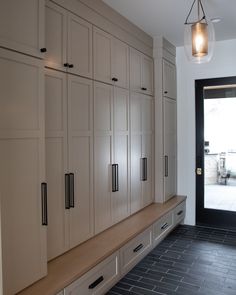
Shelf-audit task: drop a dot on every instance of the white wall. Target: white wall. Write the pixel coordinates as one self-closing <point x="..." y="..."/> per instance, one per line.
<point x="222" y="64"/>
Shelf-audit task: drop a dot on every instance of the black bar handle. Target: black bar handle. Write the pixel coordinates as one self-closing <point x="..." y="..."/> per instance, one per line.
<point x="115" y="177"/>
<point x="180" y="212"/>
<point x="43" y="50"/>
<point x="97" y="282"/>
<point x="139" y="247"/>
<point x="144" y="169"/>
<point x="114" y="79"/>
<point x="70" y="66"/>
<point x="164" y="226"/>
<point x="44" y="203"/>
<point x="166" y="166"/>
<point x="67" y="191"/>
<point x="72" y="190"/>
<point x="66" y="65"/>
<point x="144" y="88"/>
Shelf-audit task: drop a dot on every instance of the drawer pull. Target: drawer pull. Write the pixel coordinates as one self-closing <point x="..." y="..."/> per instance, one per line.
<point x="97" y="282"/>
<point x="180" y="212"/>
<point x="164" y="226"/>
<point x="139" y="247"/>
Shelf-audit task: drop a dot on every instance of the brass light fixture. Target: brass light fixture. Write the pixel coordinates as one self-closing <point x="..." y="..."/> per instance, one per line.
<point x="199" y="37"/>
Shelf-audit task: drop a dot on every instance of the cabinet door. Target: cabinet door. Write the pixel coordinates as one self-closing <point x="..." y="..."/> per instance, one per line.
<point x="103" y="126"/>
<point x="21" y="170"/>
<point x="80" y="133"/>
<point x="56" y="161"/>
<point x="136" y="151"/>
<point x="169" y="80"/>
<point x="79" y="46"/>
<point x="147" y="147"/>
<point x="102" y="43"/>
<point x="56" y="36"/>
<point x="120" y="63"/>
<point x="121" y="198"/>
<point x="169" y="148"/>
<point x="147" y="75"/>
<point x="135" y="70"/>
<point x="22" y="25"/>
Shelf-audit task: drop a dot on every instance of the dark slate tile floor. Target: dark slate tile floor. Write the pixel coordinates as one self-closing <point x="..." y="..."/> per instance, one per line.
<point x="192" y="260"/>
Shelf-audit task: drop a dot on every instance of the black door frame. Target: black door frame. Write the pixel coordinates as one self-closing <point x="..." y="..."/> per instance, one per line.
<point x="208" y="217"/>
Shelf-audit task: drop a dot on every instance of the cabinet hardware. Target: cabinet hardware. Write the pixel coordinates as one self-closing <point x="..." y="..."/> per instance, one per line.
<point x="139" y="247"/>
<point x="66" y="65"/>
<point x="180" y="212"/>
<point x="115" y="178"/>
<point x="72" y="190"/>
<point x="44" y="203"/>
<point x="144" y="88"/>
<point x="97" y="282"/>
<point x="164" y="226"/>
<point x="144" y="169"/>
<point x="166" y="166"/>
<point x="67" y="191"/>
<point x="43" y="50"/>
<point x="114" y="79"/>
<point x="70" y="66"/>
<point x="165" y="92"/>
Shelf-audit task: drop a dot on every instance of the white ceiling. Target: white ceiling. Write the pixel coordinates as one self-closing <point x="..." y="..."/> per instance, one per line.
<point x="166" y="17"/>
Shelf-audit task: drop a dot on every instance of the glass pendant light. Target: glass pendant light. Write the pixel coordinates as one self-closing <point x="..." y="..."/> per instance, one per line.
<point x="199" y="36"/>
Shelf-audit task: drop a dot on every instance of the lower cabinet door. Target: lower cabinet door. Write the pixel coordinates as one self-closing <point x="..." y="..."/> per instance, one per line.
<point x="179" y="213"/>
<point x="162" y="227"/>
<point x="98" y="280"/>
<point x="135" y="250"/>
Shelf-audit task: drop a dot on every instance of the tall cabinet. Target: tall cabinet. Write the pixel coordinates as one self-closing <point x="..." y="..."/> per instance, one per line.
<point x="165" y="120"/>
<point x="69" y="160"/>
<point x="22" y="171"/>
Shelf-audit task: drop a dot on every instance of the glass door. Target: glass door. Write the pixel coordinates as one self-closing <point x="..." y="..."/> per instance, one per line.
<point x="216" y="152"/>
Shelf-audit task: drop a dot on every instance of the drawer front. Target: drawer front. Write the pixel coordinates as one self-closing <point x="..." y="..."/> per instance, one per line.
<point x="162" y="227"/>
<point x="135" y="250"/>
<point x="98" y="280"/>
<point x="179" y="212"/>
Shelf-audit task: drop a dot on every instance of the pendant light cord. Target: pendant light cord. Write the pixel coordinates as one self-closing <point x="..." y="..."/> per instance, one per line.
<point x="191" y="9"/>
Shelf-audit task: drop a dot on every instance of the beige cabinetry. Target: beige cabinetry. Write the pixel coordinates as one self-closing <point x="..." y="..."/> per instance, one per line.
<point x="141" y="107"/>
<point x="111" y="59"/>
<point x="22" y="26"/>
<point x="22" y="171"/>
<point x="141" y="72"/>
<point x="68" y="41"/>
<point x="69" y="160"/>
<point x="111" y="155"/>
<point x="170" y="147"/>
<point x="169" y="80"/>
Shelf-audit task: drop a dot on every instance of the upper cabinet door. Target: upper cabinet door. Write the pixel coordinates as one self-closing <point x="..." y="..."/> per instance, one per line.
<point x="147" y="75"/>
<point x="135" y="70"/>
<point x="120" y="63"/>
<point x="169" y="80"/>
<point x="102" y="44"/>
<point x="56" y="36"/>
<point x="79" y="46"/>
<point x="22" y="26"/>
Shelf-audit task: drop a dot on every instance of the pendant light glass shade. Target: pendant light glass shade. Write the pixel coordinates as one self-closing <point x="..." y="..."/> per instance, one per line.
<point x="199" y="37"/>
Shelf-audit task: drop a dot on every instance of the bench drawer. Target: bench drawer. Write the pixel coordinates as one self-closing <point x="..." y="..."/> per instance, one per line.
<point x="135" y="250"/>
<point x="98" y="280"/>
<point x="179" y="212"/>
<point x="162" y="227"/>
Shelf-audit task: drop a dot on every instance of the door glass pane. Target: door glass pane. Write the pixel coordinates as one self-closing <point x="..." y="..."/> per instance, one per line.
<point x="220" y="149"/>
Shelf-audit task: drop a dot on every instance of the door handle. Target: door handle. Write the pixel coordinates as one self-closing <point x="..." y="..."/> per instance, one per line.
<point x="67" y="191"/>
<point x="144" y="169"/>
<point x="115" y="177"/>
<point x="199" y="171"/>
<point x="44" y="203"/>
<point x="166" y="166"/>
<point x="72" y="190"/>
